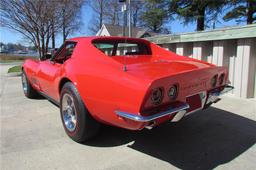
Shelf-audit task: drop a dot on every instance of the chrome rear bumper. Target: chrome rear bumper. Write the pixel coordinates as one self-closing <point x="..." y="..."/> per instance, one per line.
<point x="139" y="118"/>
<point x="213" y="97"/>
<point x="226" y="89"/>
<point x="180" y="110"/>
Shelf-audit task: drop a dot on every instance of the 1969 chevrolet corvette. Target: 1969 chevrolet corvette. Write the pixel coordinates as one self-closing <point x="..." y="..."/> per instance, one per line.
<point x="125" y="82"/>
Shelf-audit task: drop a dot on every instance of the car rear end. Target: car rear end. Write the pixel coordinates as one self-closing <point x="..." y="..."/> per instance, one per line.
<point x="172" y="97"/>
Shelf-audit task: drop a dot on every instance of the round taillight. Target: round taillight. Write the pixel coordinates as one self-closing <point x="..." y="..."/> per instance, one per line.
<point x="157" y="96"/>
<point x="221" y="78"/>
<point x="173" y="92"/>
<point x="214" y="80"/>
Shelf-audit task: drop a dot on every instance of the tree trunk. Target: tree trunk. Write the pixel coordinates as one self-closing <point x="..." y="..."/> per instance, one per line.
<point x="63" y="33"/>
<point x="101" y="13"/>
<point x="200" y="19"/>
<point x="250" y="5"/>
<point x="53" y="40"/>
<point x="155" y="28"/>
<point x="47" y="42"/>
<point x="43" y="45"/>
<point x="63" y="25"/>
<point x="38" y="44"/>
<point x="53" y="35"/>
<point x="117" y="16"/>
<point x="135" y="17"/>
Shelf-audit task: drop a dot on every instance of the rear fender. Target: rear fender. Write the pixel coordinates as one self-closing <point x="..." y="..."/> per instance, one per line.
<point x="188" y="83"/>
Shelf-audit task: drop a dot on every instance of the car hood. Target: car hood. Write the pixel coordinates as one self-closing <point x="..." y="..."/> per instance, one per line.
<point x="162" y="68"/>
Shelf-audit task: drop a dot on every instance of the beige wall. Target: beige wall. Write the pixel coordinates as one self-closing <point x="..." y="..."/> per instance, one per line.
<point x="238" y="55"/>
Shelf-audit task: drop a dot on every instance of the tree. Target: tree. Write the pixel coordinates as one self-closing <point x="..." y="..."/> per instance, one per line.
<point x="67" y="17"/>
<point x="112" y="14"/>
<point x="38" y="21"/>
<point x="70" y="16"/>
<point x="195" y="10"/>
<point x="244" y="10"/>
<point x="100" y="9"/>
<point x="30" y="18"/>
<point x="109" y="12"/>
<point x="154" y="15"/>
<point x="136" y="12"/>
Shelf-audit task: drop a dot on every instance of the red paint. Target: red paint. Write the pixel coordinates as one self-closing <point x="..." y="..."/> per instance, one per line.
<point x="105" y="87"/>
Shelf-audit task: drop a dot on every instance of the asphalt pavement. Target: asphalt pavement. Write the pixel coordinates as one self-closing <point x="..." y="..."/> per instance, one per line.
<point x="32" y="137"/>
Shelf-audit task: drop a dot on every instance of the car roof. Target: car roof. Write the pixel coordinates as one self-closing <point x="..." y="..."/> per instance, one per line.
<point x="91" y="38"/>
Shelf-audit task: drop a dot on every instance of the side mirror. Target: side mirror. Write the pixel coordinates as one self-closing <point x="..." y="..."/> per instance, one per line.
<point x="54" y="51"/>
<point x="48" y="56"/>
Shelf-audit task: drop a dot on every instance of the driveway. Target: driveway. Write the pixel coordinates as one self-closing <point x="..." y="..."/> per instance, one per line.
<point x="32" y="137"/>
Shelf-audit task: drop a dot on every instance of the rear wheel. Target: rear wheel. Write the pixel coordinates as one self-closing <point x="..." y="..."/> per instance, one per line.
<point x="28" y="90"/>
<point x="77" y="121"/>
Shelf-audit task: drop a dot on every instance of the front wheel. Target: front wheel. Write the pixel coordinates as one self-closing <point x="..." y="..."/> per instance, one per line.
<point x="77" y="121"/>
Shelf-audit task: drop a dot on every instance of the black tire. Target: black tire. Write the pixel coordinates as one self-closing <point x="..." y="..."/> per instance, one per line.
<point x="85" y="126"/>
<point x="28" y="90"/>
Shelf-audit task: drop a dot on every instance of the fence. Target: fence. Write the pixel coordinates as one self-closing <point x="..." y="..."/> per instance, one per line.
<point x="234" y="47"/>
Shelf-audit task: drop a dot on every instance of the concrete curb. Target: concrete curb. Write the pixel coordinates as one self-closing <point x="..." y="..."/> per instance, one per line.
<point x="12" y="63"/>
<point x="15" y="74"/>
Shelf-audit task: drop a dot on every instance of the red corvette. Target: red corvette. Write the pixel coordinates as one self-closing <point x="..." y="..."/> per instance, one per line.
<point x="125" y="82"/>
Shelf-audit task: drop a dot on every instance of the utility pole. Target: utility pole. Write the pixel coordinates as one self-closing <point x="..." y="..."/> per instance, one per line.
<point x="124" y="10"/>
<point x="129" y="18"/>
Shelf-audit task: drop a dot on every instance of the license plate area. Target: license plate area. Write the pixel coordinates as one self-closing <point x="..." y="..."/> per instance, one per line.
<point x="196" y="101"/>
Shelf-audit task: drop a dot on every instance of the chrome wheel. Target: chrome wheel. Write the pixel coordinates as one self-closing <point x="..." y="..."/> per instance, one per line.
<point x="69" y="112"/>
<point x="24" y="83"/>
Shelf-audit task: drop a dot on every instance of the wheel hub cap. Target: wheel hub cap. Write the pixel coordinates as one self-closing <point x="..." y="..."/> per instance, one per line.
<point x="69" y="112"/>
<point x="24" y="83"/>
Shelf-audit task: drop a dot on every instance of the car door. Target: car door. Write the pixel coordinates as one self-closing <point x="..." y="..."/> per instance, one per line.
<point x="51" y="70"/>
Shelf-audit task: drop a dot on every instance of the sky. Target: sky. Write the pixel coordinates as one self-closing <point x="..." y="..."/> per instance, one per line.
<point x="9" y="36"/>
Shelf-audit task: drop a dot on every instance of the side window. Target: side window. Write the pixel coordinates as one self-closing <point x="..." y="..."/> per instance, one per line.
<point x="65" y="52"/>
<point x="106" y="48"/>
<point x="69" y="49"/>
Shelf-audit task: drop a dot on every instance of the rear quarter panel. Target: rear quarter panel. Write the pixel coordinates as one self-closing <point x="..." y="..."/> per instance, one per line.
<point x="104" y="86"/>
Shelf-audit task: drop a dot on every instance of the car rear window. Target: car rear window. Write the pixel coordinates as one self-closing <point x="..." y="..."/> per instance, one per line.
<point x="122" y="48"/>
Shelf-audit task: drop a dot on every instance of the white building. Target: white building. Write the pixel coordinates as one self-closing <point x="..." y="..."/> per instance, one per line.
<point x="234" y="47"/>
<point x="116" y="30"/>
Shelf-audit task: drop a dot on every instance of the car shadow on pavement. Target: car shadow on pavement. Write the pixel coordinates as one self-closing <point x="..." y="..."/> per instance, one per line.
<point x="203" y="140"/>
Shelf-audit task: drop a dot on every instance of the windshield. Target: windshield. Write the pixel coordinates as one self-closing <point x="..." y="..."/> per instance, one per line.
<point x="122" y="48"/>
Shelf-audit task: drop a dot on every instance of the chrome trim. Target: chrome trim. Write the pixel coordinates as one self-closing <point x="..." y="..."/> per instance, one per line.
<point x="226" y="89"/>
<point x="183" y="107"/>
<point x="150" y="125"/>
<point x="137" y="117"/>
<point x="55" y="102"/>
<point x="68" y="112"/>
<point x="213" y="97"/>
<point x="24" y="83"/>
<point x="179" y="116"/>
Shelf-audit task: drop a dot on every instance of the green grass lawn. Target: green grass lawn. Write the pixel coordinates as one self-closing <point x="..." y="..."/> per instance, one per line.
<point x="9" y="61"/>
<point x="9" y="58"/>
<point x="15" y="69"/>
